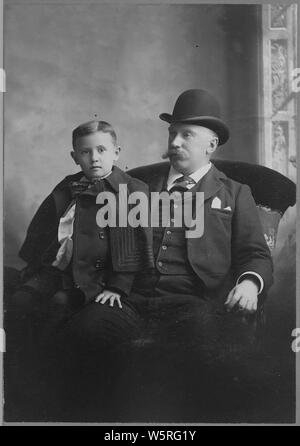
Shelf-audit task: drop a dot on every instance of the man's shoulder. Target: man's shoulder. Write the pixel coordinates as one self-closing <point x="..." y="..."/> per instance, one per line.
<point x="151" y="173"/>
<point x="146" y="170"/>
<point x="133" y="184"/>
<point x="138" y="186"/>
<point x="232" y="190"/>
<point x="229" y="183"/>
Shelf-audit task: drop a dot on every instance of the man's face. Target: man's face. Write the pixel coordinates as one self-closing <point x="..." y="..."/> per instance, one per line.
<point x="190" y="146"/>
<point x="95" y="153"/>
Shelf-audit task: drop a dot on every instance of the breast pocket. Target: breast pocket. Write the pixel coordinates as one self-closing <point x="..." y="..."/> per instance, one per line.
<point x="220" y="213"/>
<point x="217" y="235"/>
<point x="218" y="225"/>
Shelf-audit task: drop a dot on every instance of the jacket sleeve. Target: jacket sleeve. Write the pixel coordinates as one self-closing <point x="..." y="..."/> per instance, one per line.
<point x="40" y="233"/>
<point x="249" y="248"/>
<point x="120" y="282"/>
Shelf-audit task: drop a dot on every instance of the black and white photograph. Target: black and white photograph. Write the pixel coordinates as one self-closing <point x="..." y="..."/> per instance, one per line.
<point x="149" y="213"/>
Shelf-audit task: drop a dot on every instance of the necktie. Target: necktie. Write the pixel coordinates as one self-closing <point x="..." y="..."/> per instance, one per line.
<point x="181" y="184"/>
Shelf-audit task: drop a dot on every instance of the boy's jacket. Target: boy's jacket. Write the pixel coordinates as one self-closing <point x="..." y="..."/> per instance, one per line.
<point x="131" y="248"/>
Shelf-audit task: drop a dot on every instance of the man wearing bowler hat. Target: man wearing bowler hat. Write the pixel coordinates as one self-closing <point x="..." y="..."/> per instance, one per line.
<point x="232" y="250"/>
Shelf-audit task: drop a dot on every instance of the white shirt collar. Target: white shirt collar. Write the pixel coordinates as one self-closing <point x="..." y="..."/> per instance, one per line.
<point x="197" y="175"/>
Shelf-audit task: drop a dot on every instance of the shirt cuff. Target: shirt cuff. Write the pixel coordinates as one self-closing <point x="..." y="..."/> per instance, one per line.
<point x="251" y="273"/>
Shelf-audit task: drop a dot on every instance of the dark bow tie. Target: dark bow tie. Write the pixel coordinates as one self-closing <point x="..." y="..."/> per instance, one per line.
<point x="92" y="187"/>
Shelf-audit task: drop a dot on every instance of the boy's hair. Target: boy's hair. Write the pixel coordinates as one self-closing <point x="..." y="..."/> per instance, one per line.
<point x="93" y="127"/>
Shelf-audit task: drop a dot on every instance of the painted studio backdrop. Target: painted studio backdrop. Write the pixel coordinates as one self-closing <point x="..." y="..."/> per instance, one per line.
<point x="67" y="63"/>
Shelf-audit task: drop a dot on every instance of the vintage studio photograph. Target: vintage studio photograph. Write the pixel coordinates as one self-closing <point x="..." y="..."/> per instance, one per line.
<point x="150" y="212"/>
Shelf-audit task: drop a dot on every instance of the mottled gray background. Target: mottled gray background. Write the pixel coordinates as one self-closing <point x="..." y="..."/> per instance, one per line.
<point x="126" y="63"/>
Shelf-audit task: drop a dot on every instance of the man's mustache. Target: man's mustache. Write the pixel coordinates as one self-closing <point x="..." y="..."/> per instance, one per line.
<point x="169" y="153"/>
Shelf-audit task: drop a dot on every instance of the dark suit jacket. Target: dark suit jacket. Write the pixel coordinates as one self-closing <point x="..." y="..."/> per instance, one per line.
<point x="131" y="248"/>
<point x="233" y="242"/>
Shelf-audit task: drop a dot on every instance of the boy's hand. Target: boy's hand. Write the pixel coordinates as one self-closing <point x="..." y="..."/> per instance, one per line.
<point x="110" y="296"/>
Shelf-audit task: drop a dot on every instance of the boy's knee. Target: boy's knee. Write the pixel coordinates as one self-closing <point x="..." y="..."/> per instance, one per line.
<point x="24" y="300"/>
<point x="61" y="298"/>
<point x="70" y="299"/>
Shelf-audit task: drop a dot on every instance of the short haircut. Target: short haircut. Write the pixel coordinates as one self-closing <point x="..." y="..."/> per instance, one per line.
<point x="93" y="127"/>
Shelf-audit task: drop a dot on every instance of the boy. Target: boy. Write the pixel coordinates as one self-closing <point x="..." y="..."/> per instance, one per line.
<point x="71" y="260"/>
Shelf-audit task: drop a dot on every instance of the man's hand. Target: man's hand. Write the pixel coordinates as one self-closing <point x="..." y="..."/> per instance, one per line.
<point x="243" y="297"/>
<point x="110" y="296"/>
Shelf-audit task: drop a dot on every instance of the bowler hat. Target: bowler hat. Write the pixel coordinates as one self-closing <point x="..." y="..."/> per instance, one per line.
<point x="200" y="108"/>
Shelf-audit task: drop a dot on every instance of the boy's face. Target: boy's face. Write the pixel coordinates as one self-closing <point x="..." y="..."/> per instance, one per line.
<point x="95" y="153"/>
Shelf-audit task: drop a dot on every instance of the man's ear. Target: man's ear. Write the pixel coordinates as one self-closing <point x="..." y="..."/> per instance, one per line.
<point x="73" y="155"/>
<point x="213" y="145"/>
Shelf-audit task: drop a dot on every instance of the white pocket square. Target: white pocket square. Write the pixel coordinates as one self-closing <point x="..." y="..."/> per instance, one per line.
<point x="216" y="203"/>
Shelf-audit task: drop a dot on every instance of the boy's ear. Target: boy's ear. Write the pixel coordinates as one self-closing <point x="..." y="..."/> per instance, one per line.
<point x="117" y="151"/>
<point x="73" y="155"/>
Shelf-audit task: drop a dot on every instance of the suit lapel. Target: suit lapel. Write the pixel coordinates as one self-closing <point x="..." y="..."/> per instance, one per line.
<point x="210" y="184"/>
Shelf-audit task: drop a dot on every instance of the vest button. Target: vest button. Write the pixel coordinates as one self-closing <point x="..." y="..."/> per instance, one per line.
<point x="164" y="247"/>
<point x="101" y="235"/>
<point x="160" y="263"/>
